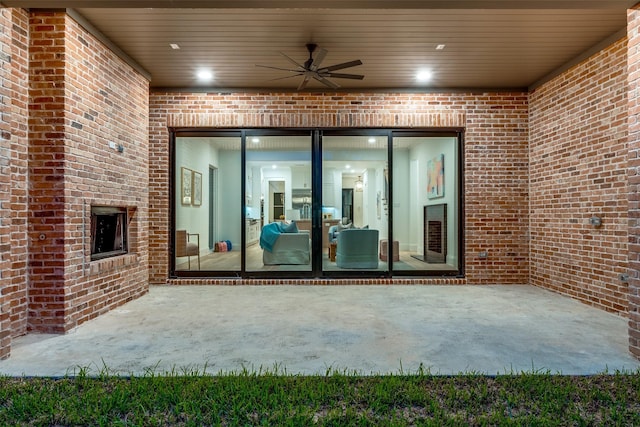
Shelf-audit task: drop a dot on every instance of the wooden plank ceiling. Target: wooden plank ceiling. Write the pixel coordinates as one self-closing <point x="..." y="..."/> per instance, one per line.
<point x="487" y="44"/>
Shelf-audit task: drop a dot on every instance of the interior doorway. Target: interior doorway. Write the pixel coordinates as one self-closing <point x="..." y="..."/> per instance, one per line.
<point x="276" y="200"/>
<point x="347" y="204"/>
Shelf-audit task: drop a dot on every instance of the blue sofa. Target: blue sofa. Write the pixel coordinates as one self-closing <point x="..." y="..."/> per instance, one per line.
<point x="357" y="248"/>
<point x="334" y="230"/>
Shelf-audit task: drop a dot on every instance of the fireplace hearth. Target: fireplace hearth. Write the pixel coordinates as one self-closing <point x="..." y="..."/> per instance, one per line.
<point x="435" y="234"/>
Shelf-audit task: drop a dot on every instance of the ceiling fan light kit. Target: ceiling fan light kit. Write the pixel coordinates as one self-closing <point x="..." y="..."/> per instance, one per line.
<point x="311" y="69"/>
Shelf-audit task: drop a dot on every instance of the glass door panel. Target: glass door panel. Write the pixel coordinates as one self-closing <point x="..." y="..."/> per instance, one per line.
<point x="278" y="206"/>
<point x="207" y="204"/>
<point x="426" y="203"/>
<point x="354" y="214"/>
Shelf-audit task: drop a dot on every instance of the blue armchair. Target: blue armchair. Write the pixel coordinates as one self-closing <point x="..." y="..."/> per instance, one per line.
<point x="357" y="248"/>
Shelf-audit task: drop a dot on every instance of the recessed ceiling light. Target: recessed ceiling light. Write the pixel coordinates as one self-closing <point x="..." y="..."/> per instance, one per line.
<point x="174" y="46"/>
<point x="441" y="46"/>
<point x="347" y="166"/>
<point x="424" y="76"/>
<point x="274" y="167"/>
<point x="205" y="75"/>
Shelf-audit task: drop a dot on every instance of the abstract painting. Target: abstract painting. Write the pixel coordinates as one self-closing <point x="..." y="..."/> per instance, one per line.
<point x="435" y="177"/>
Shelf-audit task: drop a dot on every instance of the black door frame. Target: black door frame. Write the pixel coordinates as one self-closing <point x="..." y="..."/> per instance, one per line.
<point x="316" y="135"/>
<point x="318" y="168"/>
<point x="298" y="274"/>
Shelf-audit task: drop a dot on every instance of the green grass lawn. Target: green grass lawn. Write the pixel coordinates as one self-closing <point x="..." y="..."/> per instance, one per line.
<point x="336" y="399"/>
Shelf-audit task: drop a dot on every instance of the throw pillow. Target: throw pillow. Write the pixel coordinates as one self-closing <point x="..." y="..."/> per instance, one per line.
<point x="344" y="227"/>
<point x="290" y="228"/>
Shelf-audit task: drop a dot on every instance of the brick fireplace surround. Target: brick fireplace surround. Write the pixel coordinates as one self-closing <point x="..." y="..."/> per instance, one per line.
<point x="537" y="166"/>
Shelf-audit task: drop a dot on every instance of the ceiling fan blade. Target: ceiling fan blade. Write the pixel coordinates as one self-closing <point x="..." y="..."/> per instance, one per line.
<point x="340" y="66"/>
<point x="286" y="77"/>
<point x="318" y="59"/>
<point x="277" y="68"/>
<point x="292" y="61"/>
<point x="311" y="69"/>
<point x="344" y="76"/>
<point x="326" y="82"/>
<point x="304" y="82"/>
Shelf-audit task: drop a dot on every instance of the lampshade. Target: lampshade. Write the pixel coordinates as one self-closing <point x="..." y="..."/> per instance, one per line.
<point x="359" y="184"/>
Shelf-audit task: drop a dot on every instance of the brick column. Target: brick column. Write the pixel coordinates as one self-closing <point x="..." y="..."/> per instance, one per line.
<point x="13" y="176"/>
<point x="5" y="182"/>
<point x="633" y="73"/>
<point x="83" y="99"/>
<point x="46" y="171"/>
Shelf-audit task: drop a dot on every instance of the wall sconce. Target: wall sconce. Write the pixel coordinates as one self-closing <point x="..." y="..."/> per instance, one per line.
<point x="596" y="221"/>
<point x="359" y="184"/>
<point x="118" y="147"/>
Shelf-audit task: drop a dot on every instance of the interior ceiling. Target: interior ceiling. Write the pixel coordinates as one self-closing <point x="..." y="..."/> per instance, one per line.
<point x="300" y="143"/>
<point x="495" y="44"/>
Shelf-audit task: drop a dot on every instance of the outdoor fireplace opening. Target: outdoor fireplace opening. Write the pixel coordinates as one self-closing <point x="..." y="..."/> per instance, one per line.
<point x="109" y="234"/>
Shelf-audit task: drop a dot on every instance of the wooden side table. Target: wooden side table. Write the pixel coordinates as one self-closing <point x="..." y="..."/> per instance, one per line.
<point x="333" y="246"/>
<point x="384" y="250"/>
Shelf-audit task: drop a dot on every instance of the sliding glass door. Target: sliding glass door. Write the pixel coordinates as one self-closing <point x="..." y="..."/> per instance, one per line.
<point x="278" y="203"/>
<point x="316" y="203"/>
<point x="207" y="203"/>
<point x="426" y="203"/>
<point x="355" y="200"/>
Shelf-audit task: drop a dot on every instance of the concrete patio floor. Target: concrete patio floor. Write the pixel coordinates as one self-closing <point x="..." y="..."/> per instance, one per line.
<point x="312" y="329"/>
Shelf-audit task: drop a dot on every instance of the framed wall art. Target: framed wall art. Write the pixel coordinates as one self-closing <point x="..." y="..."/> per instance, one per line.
<point x="435" y="177"/>
<point x="196" y="188"/>
<point x="186" y="175"/>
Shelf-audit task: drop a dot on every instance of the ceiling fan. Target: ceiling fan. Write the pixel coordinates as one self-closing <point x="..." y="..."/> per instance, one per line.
<point x="311" y="69"/>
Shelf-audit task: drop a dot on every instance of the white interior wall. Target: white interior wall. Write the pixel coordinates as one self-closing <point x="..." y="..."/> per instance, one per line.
<point x="230" y="192"/>
<point x="421" y="154"/>
<point x="196" y="155"/>
<point x="415" y="216"/>
<point x="402" y="232"/>
<point x="253" y="183"/>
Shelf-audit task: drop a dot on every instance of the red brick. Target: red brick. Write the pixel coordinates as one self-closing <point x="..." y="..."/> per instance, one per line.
<point x="482" y="115"/>
<point x="633" y="79"/>
<point x="578" y="136"/>
<point x="14" y="164"/>
<point x="84" y="172"/>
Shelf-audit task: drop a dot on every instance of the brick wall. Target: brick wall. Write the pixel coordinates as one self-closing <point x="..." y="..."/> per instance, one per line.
<point x="46" y="172"/>
<point x="5" y="180"/>
<point x="495" y="158"/>
<point x="578" y="157"/>
<point x="82" y="97"/>
<point x="633" y="80"/>
<point x="13" y="176"/>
